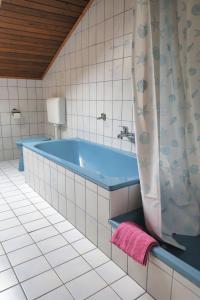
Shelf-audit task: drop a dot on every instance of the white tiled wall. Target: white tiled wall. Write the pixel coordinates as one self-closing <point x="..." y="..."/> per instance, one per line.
<point x="26" y="95"/>
<point x="93" y="71"/>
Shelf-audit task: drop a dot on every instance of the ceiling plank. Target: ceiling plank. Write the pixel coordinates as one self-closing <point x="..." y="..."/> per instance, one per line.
<point x="37" y="13"/>
<point x="43" y="7"/>
<point x="62" y="5"/>
<point x="77" y="2"/>
<point x="39" y="31"/>
<point x="32" y="31"/>
<point x="26" y="40"/>
<point x="30" y="34"/>
<point x="24" y="51"/>
<point x="25" y="64"/>
<point x="24" y="57"/>
<point x="32" y="18"/>
<point x="27" y="49"/>
<point x="35" y="25"/>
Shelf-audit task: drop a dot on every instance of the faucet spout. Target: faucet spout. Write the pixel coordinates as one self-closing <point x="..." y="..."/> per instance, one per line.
<point x="102" y="117"/>
<point x="125" y="133"/>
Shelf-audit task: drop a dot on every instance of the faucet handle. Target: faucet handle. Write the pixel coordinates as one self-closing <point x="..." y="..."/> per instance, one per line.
<point x="124" y="129"/>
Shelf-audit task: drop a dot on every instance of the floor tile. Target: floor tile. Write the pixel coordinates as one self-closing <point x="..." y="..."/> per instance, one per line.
<point x="146" y="297"/>
<point x="6" y="224"/>
<point x="110" y="272"/>
<point x="11" y="233"/>
<point x="4" y="207"/>
<point x="96" y="258"/>
<point x="13" y="293"/>
<point x="4" y="263"/>
<point x="2" y="201"/>
<point x="20" y="204"/>
<point x="72" y="269"/>
<point x="6" y="215"/>
<point x="73" y="235"/>
<point x="60" y="293"/>
<point x="30" y="217"/>
<point x="1" y="250"/>
<point x="107" y="294"/>
<point x="83" y="246"/>
<point x="24" y="254"/>
<point x="61" y="255"/>
<point x="24" y="210"/>
<point x="127" y="288"/>
<point x="86" y="285"/>
<point x="63" y="226"/>
<point x="42" y="205"/>
<point x="48" y="211"/>
<point x="7" y="279"/>
<point x="52" y="243"/>
<point x="56" y="218"/>
<point x="37" y="224"/>
<point x="17" y="243"/>
<point x="41" y="284"/>
<point x="43" y="233"/>
<point x="16" y="198"/>
<point x="31" y="268"/>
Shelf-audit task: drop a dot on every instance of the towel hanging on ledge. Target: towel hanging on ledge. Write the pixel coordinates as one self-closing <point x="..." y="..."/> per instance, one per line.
<point x="131" y="239"/>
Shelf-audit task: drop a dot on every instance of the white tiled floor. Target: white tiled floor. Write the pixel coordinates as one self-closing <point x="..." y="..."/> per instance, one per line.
<point x="42" y="256"/>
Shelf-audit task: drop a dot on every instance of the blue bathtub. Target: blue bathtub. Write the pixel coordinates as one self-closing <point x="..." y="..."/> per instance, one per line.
<point x="111" y="169"/>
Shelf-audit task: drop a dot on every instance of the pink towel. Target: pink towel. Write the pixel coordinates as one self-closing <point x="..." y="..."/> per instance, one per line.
<point x="130" y="238"/>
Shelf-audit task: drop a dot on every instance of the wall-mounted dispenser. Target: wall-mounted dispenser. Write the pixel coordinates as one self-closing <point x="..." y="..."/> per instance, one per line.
<point x="15" y="114"/>
<point x="56" y="113"/>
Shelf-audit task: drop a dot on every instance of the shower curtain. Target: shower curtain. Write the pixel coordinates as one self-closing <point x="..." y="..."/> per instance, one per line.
<point x="166" y="84"/>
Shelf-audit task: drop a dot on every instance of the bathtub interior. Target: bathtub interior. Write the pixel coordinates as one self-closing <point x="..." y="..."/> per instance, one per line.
<point x="86" y="155"/>
<point x="111" y="169"/>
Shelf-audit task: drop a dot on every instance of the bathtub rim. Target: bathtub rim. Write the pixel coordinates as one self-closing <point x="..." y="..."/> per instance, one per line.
<point x="75" y="169"/>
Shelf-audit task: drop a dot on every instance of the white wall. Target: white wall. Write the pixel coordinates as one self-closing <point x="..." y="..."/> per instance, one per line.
<point x="26" y="95"/>
<point x="93" y="71"/>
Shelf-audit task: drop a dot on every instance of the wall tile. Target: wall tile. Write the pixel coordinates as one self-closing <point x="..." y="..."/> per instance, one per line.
<point x="97" y="67"/>
<point x="14" y="93"/>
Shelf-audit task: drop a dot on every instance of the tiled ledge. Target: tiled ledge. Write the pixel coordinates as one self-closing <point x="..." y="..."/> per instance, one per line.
<point x="162" y="252"/>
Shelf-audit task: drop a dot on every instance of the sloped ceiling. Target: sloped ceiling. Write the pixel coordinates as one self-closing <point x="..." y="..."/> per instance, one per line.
<point x="31" y="33"/>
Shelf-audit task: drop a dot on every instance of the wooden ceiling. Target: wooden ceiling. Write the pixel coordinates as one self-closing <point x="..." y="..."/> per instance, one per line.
<point x="32" y="32"/>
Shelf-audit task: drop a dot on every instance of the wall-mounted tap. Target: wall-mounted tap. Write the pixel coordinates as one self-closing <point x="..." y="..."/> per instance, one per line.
<point x="102" y="117"/>
<point x="125" y="133"/>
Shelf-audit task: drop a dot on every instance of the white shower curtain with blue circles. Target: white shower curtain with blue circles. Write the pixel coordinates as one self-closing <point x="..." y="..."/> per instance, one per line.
<point x="166" y="83"/>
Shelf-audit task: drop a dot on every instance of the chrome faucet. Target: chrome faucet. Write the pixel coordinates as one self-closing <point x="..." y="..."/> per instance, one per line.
<point x="102" y="117"/>
<point x="125" y="133"/>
